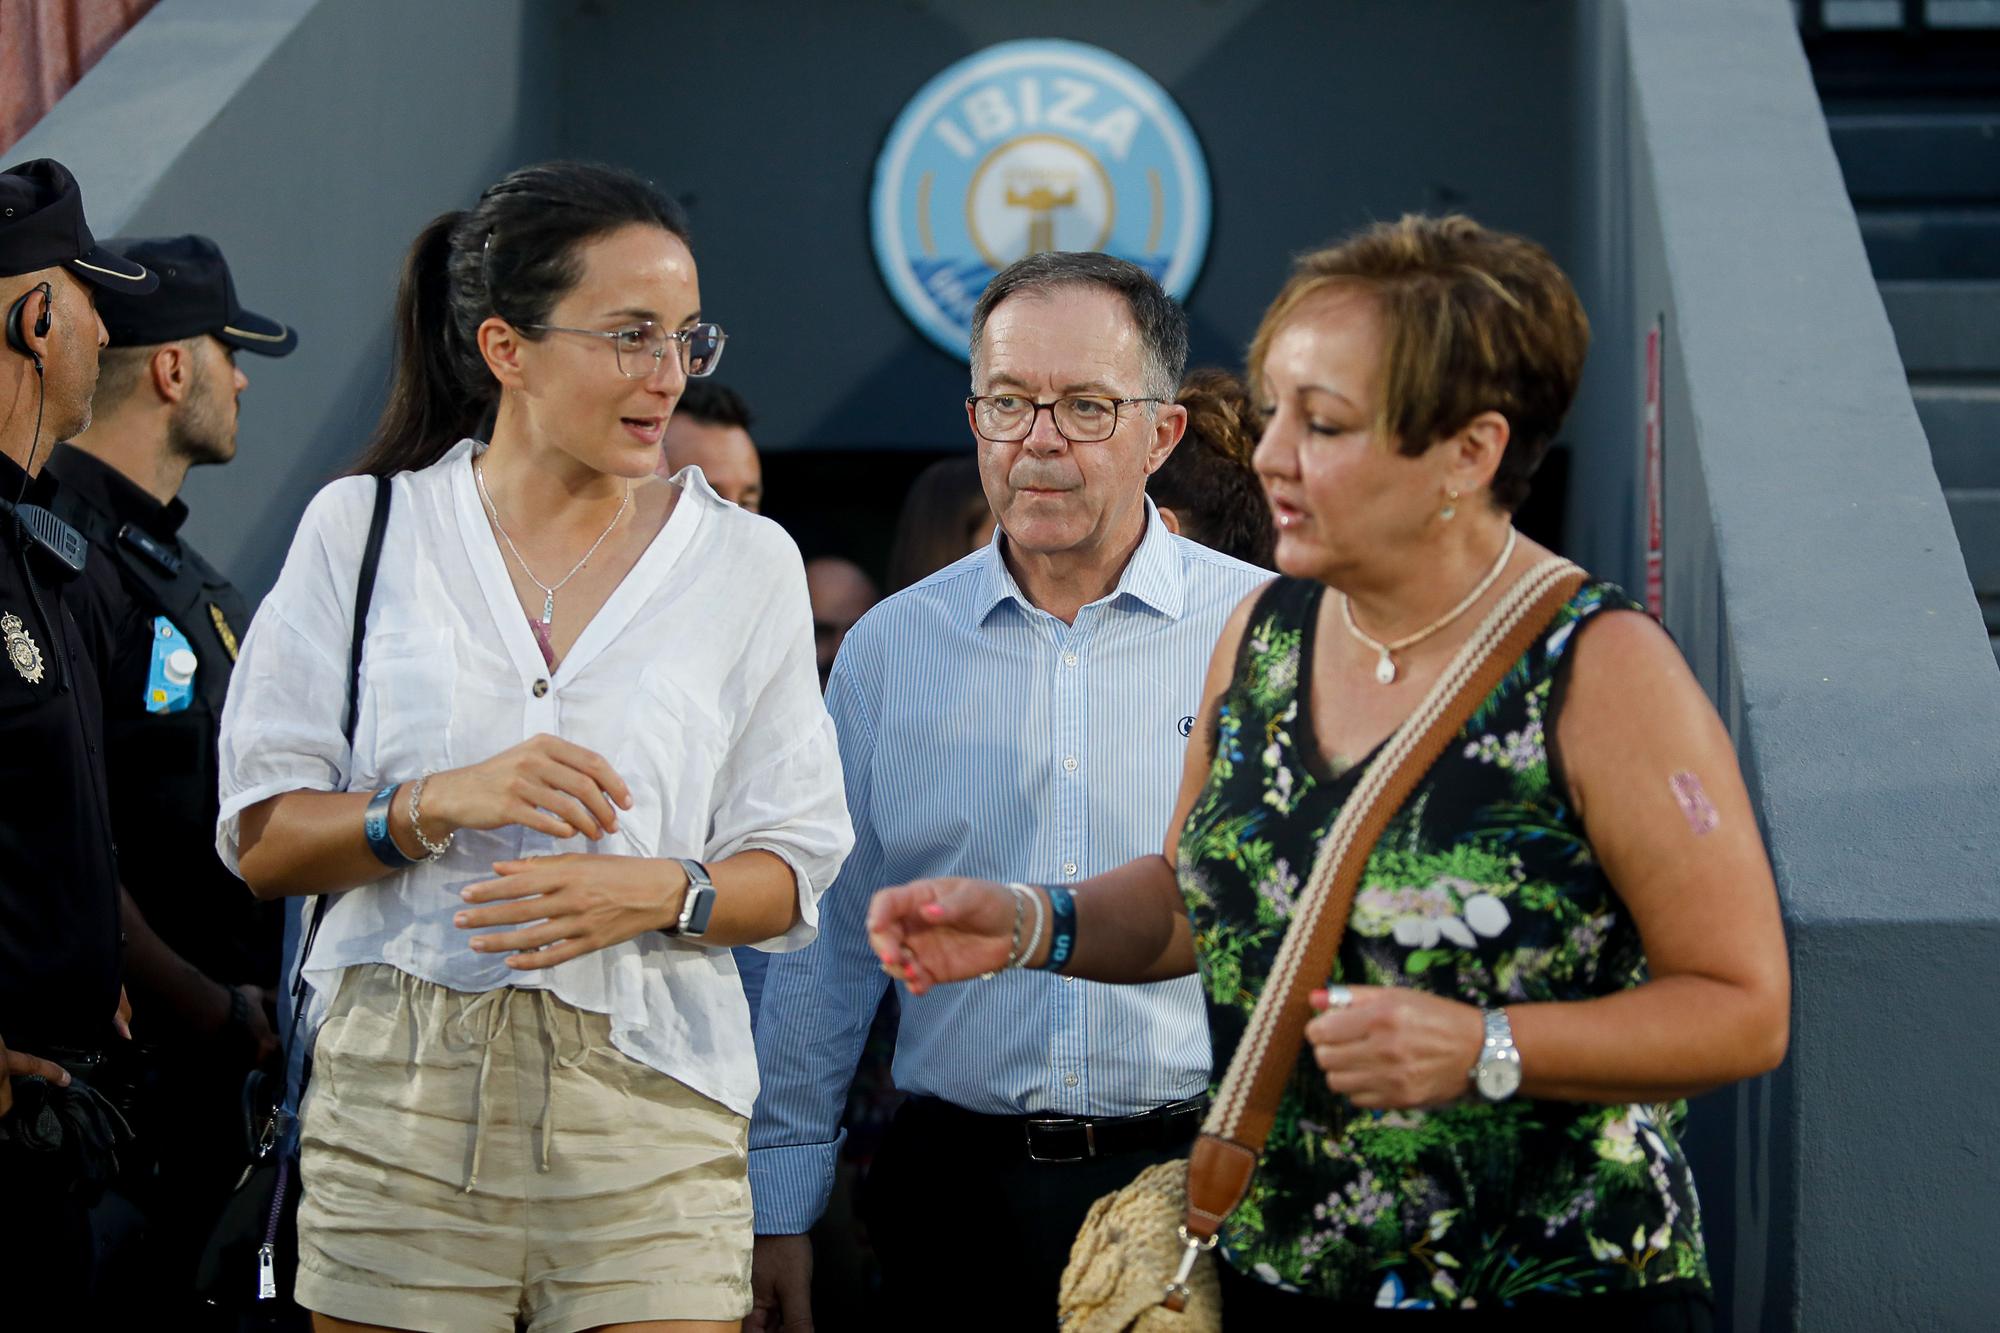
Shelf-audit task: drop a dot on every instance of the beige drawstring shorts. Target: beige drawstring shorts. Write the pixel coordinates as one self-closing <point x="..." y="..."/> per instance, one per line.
<point x="476" y="1160"/>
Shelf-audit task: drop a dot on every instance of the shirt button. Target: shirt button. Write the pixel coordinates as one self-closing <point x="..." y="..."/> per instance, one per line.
<point x="1069" y="868"/>
<point x="1069" y="1080"/>
<point x="1069" y="659"/>
<point x="1070" y="763"/>
<point x="541" y="688"/>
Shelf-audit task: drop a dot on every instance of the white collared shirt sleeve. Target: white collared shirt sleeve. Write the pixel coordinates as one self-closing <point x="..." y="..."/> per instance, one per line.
<point x="282" y="722"/>
<point x="780" y="787"/>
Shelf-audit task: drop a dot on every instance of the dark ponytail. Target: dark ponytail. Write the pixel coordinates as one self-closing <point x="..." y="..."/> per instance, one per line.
<point x="513" y="255"/>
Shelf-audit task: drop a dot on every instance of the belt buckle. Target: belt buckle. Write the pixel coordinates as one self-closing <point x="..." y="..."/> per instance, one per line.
<point x="1055" y="1123"/>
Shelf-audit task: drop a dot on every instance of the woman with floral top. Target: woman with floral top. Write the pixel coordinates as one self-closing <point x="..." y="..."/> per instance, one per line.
<point x="1567" y="928"/>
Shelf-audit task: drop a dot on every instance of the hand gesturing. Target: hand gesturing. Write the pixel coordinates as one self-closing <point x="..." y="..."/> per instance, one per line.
<point x="932" y="931"/>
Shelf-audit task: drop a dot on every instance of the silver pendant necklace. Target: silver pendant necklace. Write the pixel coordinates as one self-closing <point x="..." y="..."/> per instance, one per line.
<point x="549" y="591"/>
<point x="1385" y="665"/>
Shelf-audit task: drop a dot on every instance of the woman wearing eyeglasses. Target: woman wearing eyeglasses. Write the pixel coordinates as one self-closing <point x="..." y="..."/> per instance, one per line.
<point x="589" y="757"/>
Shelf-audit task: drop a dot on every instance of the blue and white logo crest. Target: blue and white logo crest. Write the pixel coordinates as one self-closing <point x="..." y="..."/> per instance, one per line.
<point x="1032" y="146"/>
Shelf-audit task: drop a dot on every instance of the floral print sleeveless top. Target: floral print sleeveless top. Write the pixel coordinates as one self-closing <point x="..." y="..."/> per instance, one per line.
<point x="1484" y="889"/>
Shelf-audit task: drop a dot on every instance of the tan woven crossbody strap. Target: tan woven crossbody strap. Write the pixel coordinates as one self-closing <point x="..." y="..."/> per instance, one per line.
<point x="1247" y="1102"/>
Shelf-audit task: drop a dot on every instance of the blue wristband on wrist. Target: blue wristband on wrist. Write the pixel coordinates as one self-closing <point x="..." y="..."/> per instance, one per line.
<point x="375" y="823"/>
<point x="1062" y="928"/>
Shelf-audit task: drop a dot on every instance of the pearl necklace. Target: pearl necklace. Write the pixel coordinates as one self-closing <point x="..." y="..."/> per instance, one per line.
<point x="548" y="590"/>
<point x="1385" y="666"/>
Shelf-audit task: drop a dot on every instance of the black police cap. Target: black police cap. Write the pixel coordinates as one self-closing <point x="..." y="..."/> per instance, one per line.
<point x="41" y="225"/>
<point x="196" y="296"/>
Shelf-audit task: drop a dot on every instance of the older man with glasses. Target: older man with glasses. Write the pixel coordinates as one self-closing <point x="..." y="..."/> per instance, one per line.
<point x="1020" y="715"/>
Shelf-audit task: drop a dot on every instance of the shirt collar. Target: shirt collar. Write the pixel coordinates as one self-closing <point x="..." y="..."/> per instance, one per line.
<point x="112" y="493"/>
<point x="1153" y="576"/>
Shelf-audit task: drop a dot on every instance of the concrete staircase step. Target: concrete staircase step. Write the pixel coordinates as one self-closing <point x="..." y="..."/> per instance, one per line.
<point x="1976" y="515"/>
<point x="1923" y="156"/>
<point x="1945" y="328"/>
<point x="1933" y="244"/>
<point x="1963" y="423"/>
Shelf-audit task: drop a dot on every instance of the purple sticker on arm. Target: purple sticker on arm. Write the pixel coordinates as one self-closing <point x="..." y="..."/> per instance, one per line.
<point x="1694" y="803"/>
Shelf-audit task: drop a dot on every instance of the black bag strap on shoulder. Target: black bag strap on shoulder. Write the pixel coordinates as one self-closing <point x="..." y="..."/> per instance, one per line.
<point x="364" y="594"/>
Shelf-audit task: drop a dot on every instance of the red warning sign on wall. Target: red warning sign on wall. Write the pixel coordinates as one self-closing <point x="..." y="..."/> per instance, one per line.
<point x="1655" y="578"/>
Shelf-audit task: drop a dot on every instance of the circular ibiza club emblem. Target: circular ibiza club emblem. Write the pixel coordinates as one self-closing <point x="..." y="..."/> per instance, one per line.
<point x="1032" y="146"/>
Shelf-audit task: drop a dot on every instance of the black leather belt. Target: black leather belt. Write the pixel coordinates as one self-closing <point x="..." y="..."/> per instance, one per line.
<point x="1055" y="1138"/>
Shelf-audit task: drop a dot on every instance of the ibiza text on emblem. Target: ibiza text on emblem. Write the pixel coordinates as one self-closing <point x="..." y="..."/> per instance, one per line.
<point x="22" y="650"/>
<point x="1025" y="147"/>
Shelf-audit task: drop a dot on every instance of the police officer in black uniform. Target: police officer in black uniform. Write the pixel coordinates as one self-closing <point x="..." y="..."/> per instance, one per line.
<point x="59" y="910"/>
<point x="203" y="954"/>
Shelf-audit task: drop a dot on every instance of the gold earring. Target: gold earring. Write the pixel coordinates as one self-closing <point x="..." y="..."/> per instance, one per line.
<point x="1450" y="509"/>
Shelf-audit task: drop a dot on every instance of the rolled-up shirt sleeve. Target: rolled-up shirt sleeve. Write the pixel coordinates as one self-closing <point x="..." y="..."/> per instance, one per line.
<point x="779" y="789"/>
<point x="282" y="724"/>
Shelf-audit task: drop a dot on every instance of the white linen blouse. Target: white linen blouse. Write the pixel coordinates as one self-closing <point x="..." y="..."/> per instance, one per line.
<point x="696" y="680"/>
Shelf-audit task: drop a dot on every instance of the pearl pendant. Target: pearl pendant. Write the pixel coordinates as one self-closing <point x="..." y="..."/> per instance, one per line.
<point x="1385" y="670"/>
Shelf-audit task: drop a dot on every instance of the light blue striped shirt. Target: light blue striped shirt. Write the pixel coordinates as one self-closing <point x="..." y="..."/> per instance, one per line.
<point x="981" y="736"/>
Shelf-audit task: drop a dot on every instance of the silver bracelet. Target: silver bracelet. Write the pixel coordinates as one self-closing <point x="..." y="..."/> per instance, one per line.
<point x="1013" y="948"/>
<point x="1019" y="957"/>
<point x="434" y="849"/>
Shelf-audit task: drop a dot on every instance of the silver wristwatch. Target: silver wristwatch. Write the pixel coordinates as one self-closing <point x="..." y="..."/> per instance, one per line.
<point x="1498" y="1073"/>
<point x="697" y="902"/>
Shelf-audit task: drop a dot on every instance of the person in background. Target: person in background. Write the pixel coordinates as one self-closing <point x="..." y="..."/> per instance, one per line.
<point x="1568" y="927"/>
<point x="201" y="953"/>
<point x="945" y="516"/>
<point x="1019" y="713"/>
<point x="1206" y="490"/>
<point x="59" y="947"/>
<point x="710" y="429"/>
<point x="841" y="593"/>
<point x="590" y="755"/>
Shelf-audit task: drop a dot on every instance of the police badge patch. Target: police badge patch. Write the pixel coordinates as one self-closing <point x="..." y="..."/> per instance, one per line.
<point x="21" y="649"/>
<point x="1031" y="146"/>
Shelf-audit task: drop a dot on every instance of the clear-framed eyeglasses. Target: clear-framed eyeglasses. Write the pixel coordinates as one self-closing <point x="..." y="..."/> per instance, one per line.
<point x="1079" y="418"/>
<point x="643" y="346"/>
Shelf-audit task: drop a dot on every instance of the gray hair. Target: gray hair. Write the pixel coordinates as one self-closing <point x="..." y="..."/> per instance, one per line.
<point x="1162" y="324"/>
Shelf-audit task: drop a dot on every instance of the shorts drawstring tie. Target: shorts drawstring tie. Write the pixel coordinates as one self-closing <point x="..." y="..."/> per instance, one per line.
<point x="484" y="1019"/>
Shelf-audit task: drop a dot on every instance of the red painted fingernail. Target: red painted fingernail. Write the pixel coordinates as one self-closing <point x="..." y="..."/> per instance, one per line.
<point x="1317" y="999"/>
<point x="933" y="910"/>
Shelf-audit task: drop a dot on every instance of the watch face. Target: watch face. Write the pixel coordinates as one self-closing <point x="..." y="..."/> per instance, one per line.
<point x="700" y="904"/>
<point x="1498" y="1078"/>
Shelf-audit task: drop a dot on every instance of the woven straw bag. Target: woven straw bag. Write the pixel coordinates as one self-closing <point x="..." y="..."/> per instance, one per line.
<point x="1121" y="1254"/>
<point x="1143" y="1261"/>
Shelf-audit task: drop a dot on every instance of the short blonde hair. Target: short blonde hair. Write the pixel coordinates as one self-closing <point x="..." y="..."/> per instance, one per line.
<point x="1472" y="321"/>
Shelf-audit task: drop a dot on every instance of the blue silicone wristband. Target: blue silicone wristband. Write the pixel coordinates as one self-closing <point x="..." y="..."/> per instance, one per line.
<point x="1062" y="927"/>
<point x="375" y="823"/>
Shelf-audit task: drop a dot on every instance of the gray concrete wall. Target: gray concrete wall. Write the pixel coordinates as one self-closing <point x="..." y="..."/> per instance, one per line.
<point x="1813" y="580"/>
<point x="311" y="139"/>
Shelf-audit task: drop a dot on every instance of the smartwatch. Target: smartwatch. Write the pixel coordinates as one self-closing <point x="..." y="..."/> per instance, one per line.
<point x="696" y="903"/>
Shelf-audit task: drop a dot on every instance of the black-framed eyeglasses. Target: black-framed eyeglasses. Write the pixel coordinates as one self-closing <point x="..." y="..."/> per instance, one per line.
<point x="1079" y="418"/>
<point x="643" y="346"/>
